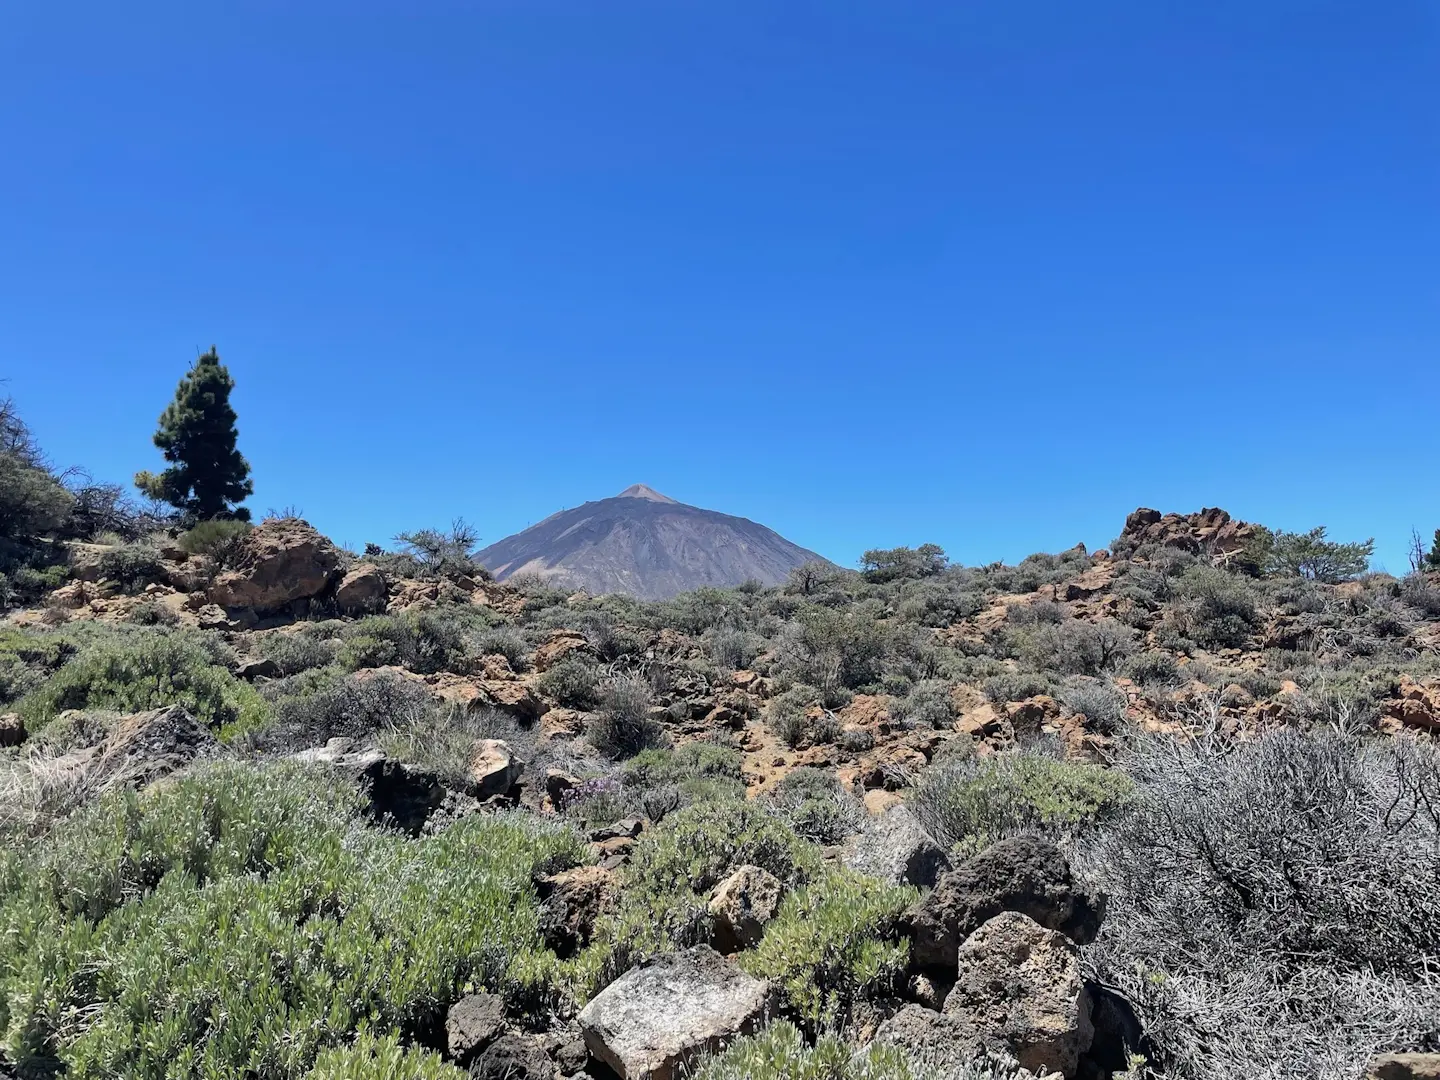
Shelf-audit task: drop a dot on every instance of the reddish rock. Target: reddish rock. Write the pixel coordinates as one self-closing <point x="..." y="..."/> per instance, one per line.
<point x="280" y="561"/>
<point x="361" y="590"/>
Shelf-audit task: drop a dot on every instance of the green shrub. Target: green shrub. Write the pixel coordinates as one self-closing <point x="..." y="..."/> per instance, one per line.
<point x="238" y="922"/>
<point x="572" y="682"/>
<point x="928" y="704"/>
<point x="781" y="1052"/>
<point x="152" y="613"/>
<point x="371" y="1058"/>
<point x="1218" y="608"/>
<point x="733" y="649"/>
<point x="1152" y="668"/>
<point x="676" y="865"/>
<point x="1100" y="702"/>
<point x="504" y="641"/>
<point x="1074" y="647"/>
<point x="835" y="942"/>
<point x="976" y="801"/>
<point x="424" y="641"/>
<point x="297" y="652"/>
<point x="812" y="802"/>
<point x="440" y="738"/>
<point x="147" y="670"/>
<point x="218" y="538"/>
<point x="132" y="566"/>
<point x="1016" y="686"/>
<point x="624" y="725"/>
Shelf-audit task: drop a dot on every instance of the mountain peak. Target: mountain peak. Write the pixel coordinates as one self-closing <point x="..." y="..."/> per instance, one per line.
<point x="647" y="545"/>
<point x="643" y="491"/>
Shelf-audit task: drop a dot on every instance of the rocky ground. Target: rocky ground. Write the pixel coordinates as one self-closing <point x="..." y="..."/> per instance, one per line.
<point x="901" y="809"/>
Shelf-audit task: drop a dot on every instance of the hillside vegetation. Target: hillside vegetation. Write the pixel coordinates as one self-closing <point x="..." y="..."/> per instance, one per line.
<point x="279" y="810"/>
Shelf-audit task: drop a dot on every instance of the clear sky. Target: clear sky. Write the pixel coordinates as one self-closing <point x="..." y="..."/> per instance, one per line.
<point x="877" y="272"/>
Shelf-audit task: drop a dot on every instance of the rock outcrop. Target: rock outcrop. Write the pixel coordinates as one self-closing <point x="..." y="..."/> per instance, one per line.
<point x="1021" y="983"/>
<point x="1404" y="1067"/>
<point x="280" y="562"/>
<point x="472" y="1024"/>
<point x="362" y="590"/>
<point x="895" y="847"/>
<point x="493" y="769"/>
<point x="742" y="905"/>
<point x="659" y="1017"/>
<point x="1024" y="874"/>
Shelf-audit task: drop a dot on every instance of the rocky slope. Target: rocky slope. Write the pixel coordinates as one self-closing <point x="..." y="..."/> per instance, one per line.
<point x="647" y="545"/>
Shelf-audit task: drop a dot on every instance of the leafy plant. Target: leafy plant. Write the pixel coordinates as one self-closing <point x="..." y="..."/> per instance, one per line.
<point x="976" y="801"/>
<point x="147" y="669"/>
<point x="834" y="942"/>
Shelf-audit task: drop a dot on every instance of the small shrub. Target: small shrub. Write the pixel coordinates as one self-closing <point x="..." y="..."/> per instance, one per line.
<point x="733" y="649"/>
<point x="1101" y="703"/>
<point x="152" y="613"/>
<point x="834" y="943"/>
<point x="572" y="682"/>
<point x="928" y="704"/>
<point x="812" y="802"/>
<point x="976" y="801"/>
<point x="371" y="1058"/>
<point x="219" y="539"/>
<point x="781" y="1052"/>
<point x="147" y="670"/>
<point x="676" y="865"/>
<point x="1074" y="647"/>
<point x="1218" y="609"/>
<point x="1152" y="669"/>
<point x="1016" y="686"/>
<point x="623" y="727"/>
<point x="132" y="566"/>
<point x="505" y="641"/>
<point x="294" y="653"/>
<point x="356" y="707"/>
<point x="425" y="641"/>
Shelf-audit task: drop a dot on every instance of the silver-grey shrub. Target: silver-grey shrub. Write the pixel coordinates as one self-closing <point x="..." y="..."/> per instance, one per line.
<point x="1275" y="906"/>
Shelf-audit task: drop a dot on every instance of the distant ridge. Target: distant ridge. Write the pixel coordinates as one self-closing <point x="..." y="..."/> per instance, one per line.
<point x="648" y="545"/>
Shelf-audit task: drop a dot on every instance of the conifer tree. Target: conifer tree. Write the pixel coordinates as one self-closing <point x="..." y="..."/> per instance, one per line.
<point x="207" y="477"/>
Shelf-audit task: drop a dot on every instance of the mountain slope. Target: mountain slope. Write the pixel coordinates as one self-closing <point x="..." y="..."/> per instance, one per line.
<point x="648" y="545"/>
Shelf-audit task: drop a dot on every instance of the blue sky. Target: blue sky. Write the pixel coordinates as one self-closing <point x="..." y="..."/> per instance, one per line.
<point x="985" y="274"/>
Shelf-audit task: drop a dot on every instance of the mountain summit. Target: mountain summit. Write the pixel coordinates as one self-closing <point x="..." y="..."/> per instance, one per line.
<point x="648" y="545"/>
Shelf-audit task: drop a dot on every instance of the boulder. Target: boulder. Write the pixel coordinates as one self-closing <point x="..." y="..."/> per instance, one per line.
<point x="279" y="562"/>
<point x="494" y="769"/>
<point x="361" y="590"/>
<point x="1024" y="874"/>
<point x="659" y="1017"/>
<point x="895" y="847"/>
<point x="12" y="730"/>
<point x="944" y="1044"/>
<point x="559" y="645"/>
<point x="472" y="1024"/>
<point x="742" y="905"/>
<point x="153" y="744"/>
<point x="572" y="901"/>
<point x="513" y="1057"/>
<point x="1417" y="706"/>
<point x="1404" y="1067"/>
<point x="559" y="784"/>
<point x="399" y="795"/>
<point x="265" y="668"/>
<point x="513" y="698"/>
<point x="1021" y="983"/>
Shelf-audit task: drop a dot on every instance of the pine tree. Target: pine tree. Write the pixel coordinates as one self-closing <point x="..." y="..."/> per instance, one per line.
<point x="1432" y="560"/>
<point x="208" y="476"/>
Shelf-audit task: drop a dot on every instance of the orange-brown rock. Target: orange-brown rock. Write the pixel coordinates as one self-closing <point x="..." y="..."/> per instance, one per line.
<point x="559" y="645"/>
<point x="361" y="590"/>
<point x="1417" y="706"/>
<point x="279" y="562"/>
